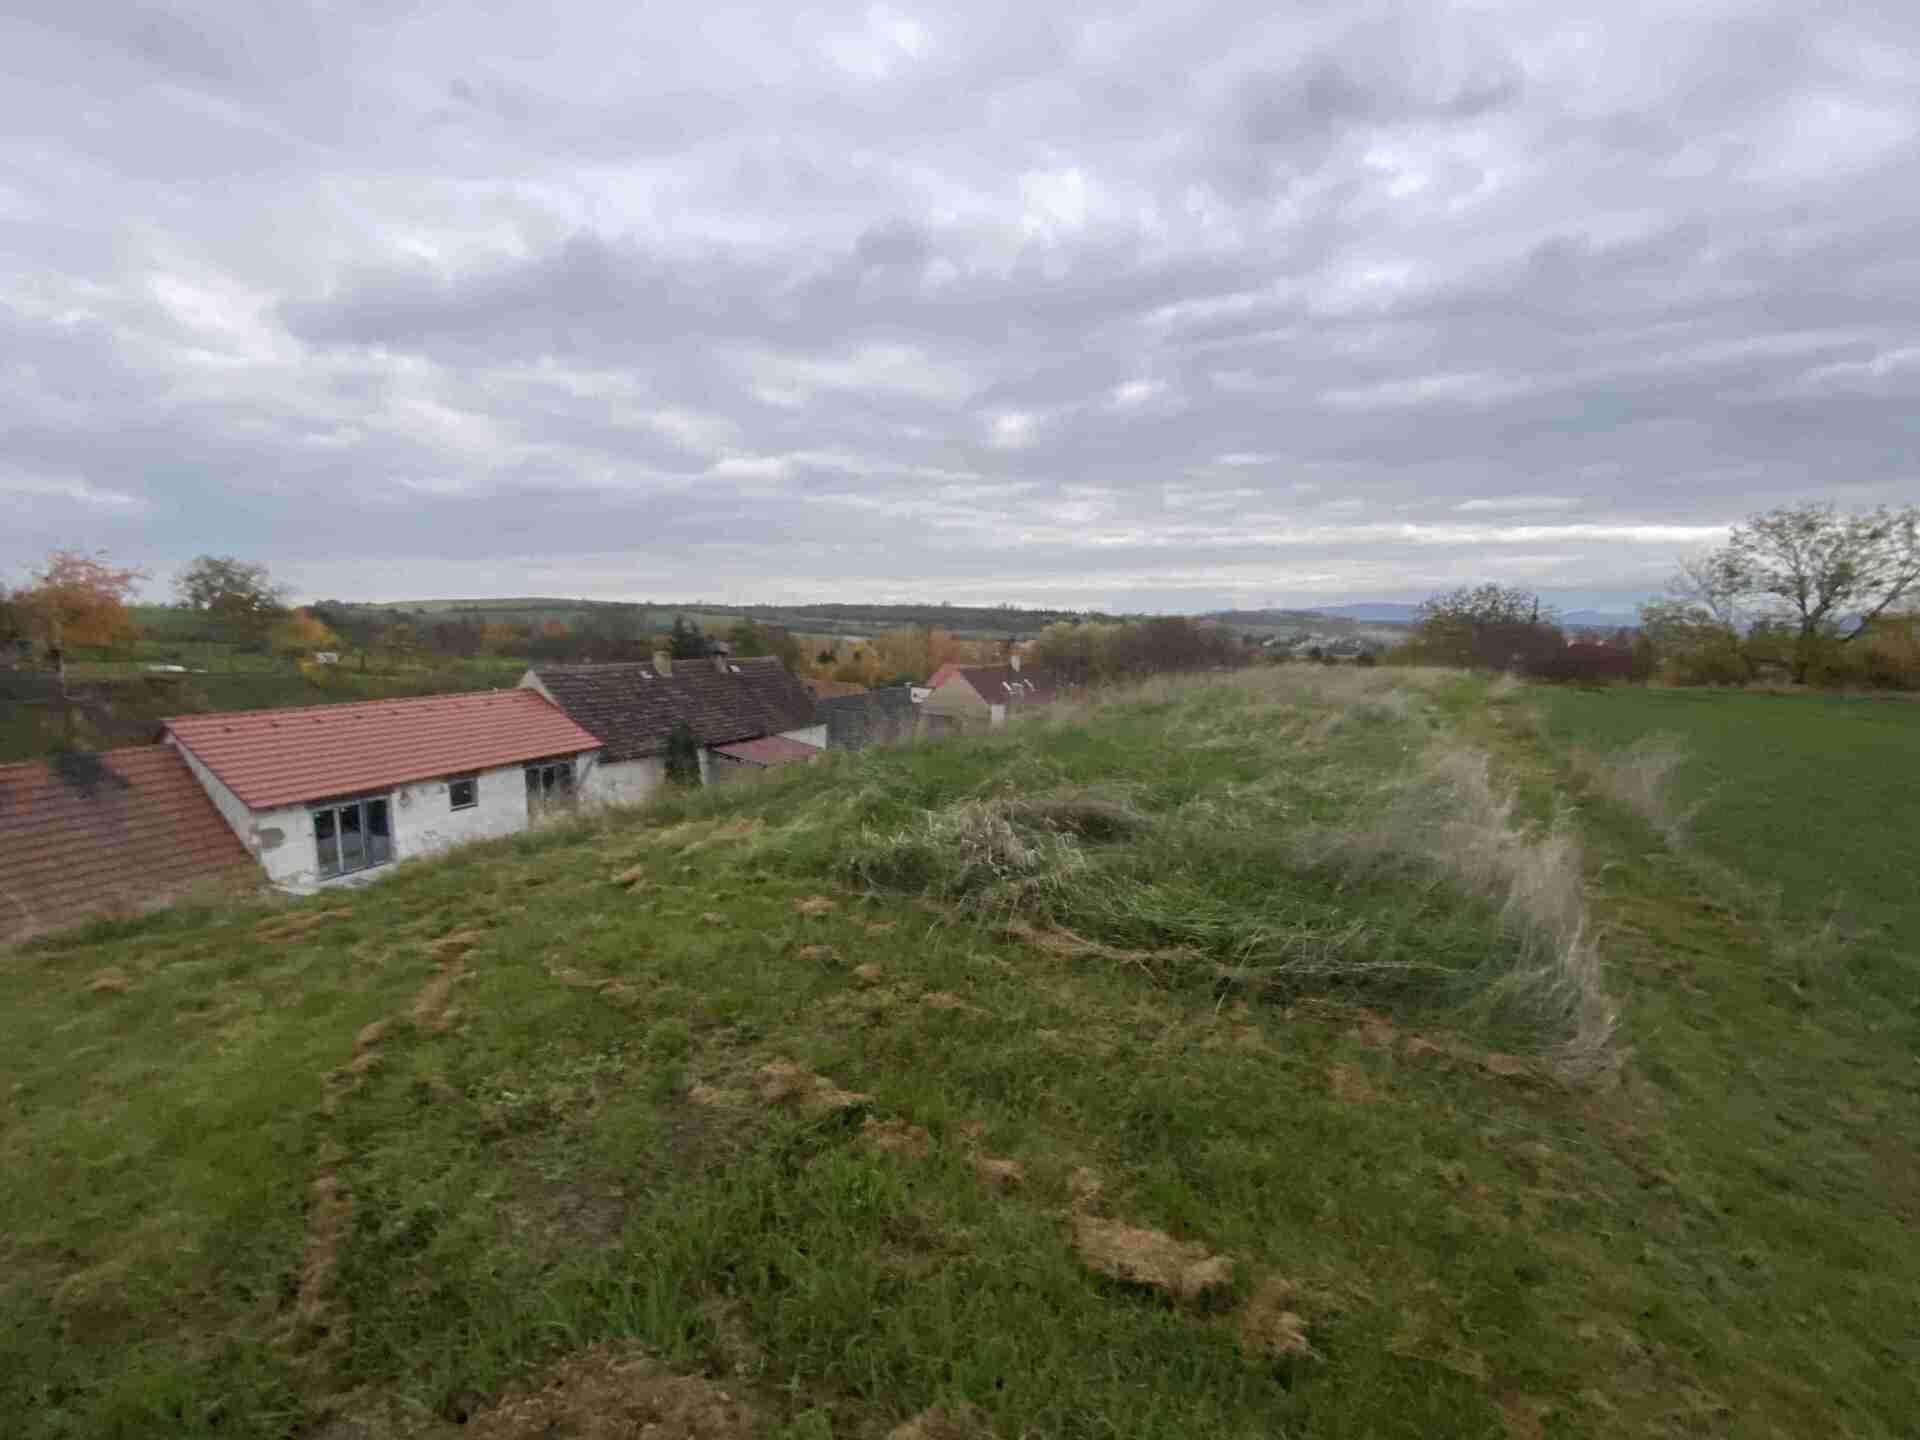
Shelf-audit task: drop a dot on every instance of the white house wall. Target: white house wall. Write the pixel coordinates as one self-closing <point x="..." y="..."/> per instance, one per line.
<point x="624" y="782"/>
<point x="815" y="735"/>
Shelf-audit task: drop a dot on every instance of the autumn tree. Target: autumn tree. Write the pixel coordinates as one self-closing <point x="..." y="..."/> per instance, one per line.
<point x="78" y="599"/>
<point x="1830" y="575"/>
<point x="238" y="596"/>
<point x="1486" y="627"/>
<point x="301" y="634"/>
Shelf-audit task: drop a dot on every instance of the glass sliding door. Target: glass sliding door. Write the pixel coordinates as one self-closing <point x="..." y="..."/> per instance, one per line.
<point x="351" y="835"/>
<point x="549" y="783"/>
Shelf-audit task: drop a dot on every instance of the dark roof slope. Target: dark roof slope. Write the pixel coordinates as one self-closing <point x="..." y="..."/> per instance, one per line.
<point x="124" y="829"/>
<point x="633" y="708"/>
<point x="281" y="757"/>
<point x="1003" y="685"/>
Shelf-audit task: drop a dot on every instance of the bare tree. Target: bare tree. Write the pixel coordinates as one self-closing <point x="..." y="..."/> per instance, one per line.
<point x="1821" y="568"/>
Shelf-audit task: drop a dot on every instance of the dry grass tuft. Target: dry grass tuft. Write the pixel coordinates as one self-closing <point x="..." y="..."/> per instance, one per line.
<point x="296" y="923"/>
<point x="1350" y="1085"/>
<point x="816" y="953"/>
<point x="634" y="879"/>
<point x="783" y="1082"/>
<point x="897" y="1137"/>
<point x="616" y="1393"/>
<point x="869" y="972"/>
<point x="1270" y="1327"/>
<point x="1640" y="780"/>
<point x="947" y="1000"/>
<point x="998" y="1173"/>
<point x="456" y="944"/>
<point x="1188" y="1273"/>
<point x="814" y="905"/>
<point x="939" y="1424"/>
<point x="111" y="981"/>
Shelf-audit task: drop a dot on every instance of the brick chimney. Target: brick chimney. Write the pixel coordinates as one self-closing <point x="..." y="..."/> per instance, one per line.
<point x="663" y="662"/>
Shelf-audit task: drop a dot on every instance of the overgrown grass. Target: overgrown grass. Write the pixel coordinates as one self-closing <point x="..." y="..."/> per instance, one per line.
<point x="1239" y="952"/>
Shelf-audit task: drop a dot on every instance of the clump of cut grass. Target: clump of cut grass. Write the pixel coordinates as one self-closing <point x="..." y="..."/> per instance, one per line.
<point x="1458" y="822"/>
<point x="1639" y="779"/>
<point x="972" y="852"/>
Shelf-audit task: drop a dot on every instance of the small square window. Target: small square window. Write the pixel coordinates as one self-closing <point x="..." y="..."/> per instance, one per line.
<point x="464" y="793"/>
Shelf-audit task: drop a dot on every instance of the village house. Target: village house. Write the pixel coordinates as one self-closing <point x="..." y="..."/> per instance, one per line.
<point x="734" y="709"/>
<point x="330" y="794"/>
<point x="984" y="696"/>
<point x="112" y="833"/>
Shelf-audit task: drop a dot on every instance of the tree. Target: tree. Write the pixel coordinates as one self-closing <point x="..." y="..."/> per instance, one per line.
<point x="238" y="596"/>
<point x="1819" y="568"/>
<point x="683" y="756"/>
<point x="686" y="642"/>
<point x="80" y="599"/>
<point x="1486" y="627"/>
<point x="301" y="634"/>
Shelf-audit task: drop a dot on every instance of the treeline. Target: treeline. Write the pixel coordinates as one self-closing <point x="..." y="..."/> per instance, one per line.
<point x="1099" y="653"/>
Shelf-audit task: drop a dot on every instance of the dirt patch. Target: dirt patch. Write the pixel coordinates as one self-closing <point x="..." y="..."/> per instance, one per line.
<point x="317" y="1331"/>
<point x="815" y="905"/>
<point x="109" y="982"/>
<point x="371" y="1034"/>
<point x="819" y="954"/>
<point x="1187" y="1272"/>
<point x="1445" y="1048"/>
<point x="1084" y="1187"/>
<point x="998" y="1173"/>
<point x="869" y="973"/>
<point x="939" y="1424"/>
<point x="1524" y="1416"/>
<point x="430" y="1010"/>
<point x="452" y="946"/>
<point x="1270" y="1326"/>
<point x="782" y="1083"/>
<point x="1374" y="1031"/>
<point x="897" y="1137"/>
<point x="880" y="927"/>
<point x="295" y="923"/>
<point x="616" y="1393"/>
<point x="634" y="879"/>
<point x="947" y="1000"/>
<point x="717" y="1097"/>
<point x="1351" y="1085"/>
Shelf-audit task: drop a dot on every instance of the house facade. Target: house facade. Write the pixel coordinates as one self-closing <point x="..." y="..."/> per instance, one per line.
<point x="635" y="708"/>
<point x="984" y="696"/>
<point x="334" y="794"/>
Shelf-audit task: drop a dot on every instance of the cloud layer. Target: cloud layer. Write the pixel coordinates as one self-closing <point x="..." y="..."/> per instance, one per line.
<point x="1132" y="308"/>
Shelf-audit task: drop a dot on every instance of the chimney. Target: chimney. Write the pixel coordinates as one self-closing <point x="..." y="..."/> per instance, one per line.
<point x="663" y="662"/>
<point x="719" y="663"/>
<point x="1014" y="661"/>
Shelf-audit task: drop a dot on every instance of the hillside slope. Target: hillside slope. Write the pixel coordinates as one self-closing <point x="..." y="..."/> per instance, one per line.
<point x="1231" y="1059"/>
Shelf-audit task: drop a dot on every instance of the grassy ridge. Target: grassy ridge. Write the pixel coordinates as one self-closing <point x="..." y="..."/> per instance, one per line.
<point x="230" y="1207"/>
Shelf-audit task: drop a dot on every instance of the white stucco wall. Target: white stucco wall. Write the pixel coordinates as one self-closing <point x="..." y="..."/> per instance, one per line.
<point x="420" y="820"/>
<point x="624" y="782"/>
<point x="808" y="735"/>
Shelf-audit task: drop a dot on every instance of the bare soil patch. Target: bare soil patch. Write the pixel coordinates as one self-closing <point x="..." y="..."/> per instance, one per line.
<point x="1187" y="1272"/>
<point x="897" y="1137"/>
<point x="815" y="905"/>
<point x="784" y="1083"/>
<point x="616" y="1393"/>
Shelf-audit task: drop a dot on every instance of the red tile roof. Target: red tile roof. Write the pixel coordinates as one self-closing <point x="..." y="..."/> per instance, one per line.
<point x="281" y="757"/>
<point x="123" y="829"/>
<point x="945" y="673"/>
<point x="770" y="750"/>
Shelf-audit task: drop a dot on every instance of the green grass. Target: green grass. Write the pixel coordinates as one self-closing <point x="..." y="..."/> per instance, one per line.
<point x="1718" y="1242"/>
<point x="1814" y="800"/>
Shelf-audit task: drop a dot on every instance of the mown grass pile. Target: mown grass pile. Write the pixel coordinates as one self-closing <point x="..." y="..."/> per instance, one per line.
<point x="1227" y="1059"/>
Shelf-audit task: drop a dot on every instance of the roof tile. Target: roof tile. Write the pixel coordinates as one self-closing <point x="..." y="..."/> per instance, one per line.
<point x="633" y="708"/>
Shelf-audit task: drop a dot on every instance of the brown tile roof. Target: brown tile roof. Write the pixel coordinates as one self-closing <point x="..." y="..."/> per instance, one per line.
<point x="1003" y="685"/>
<point x="281" y="757"/>
<point x="633" y="708"/>
<point x="831" y="689"/>
<point x="769" y="750"/>
<point x="122" y="829"/>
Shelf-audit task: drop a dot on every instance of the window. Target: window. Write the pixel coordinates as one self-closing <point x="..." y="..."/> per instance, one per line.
<point x="549" y="783"/>
<point x="463" y="792"/>
<point x="351" y="835"/>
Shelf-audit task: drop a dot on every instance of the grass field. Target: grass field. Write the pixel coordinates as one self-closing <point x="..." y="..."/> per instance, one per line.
<point x="1232" y="1059"/>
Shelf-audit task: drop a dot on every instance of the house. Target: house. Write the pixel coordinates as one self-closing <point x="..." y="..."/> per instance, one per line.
<point x="945" y="673"/>
<point x="634" y="709"/>
<point x="324" y="794"/>
<point x="984" y="696"/>
<point x="87" y="834"/>
<point x="873" y="717"/>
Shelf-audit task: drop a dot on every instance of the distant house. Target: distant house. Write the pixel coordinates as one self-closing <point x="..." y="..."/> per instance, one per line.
<point x="325" y="794"/>
<point x="872" y="717"/>
<point x="634" y="708"/>
<point x="985" y="696"/>
<point x="945" y="673"/>
<point x="119" y="831"/>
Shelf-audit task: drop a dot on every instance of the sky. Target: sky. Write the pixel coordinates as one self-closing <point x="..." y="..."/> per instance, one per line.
<point x="1144" y="308"/>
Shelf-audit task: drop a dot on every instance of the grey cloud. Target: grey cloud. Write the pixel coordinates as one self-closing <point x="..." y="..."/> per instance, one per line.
<point x="1152" y="309"/>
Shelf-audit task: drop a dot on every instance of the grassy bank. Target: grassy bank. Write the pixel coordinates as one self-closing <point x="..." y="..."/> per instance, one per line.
<point x="1230" y="1060"/>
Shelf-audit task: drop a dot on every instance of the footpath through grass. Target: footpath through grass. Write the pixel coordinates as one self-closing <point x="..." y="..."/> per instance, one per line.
<point x="1192" y="1066"/>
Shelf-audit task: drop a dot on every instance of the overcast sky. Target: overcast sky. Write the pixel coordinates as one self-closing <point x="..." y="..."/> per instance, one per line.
<point x="1145" y="307"/>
